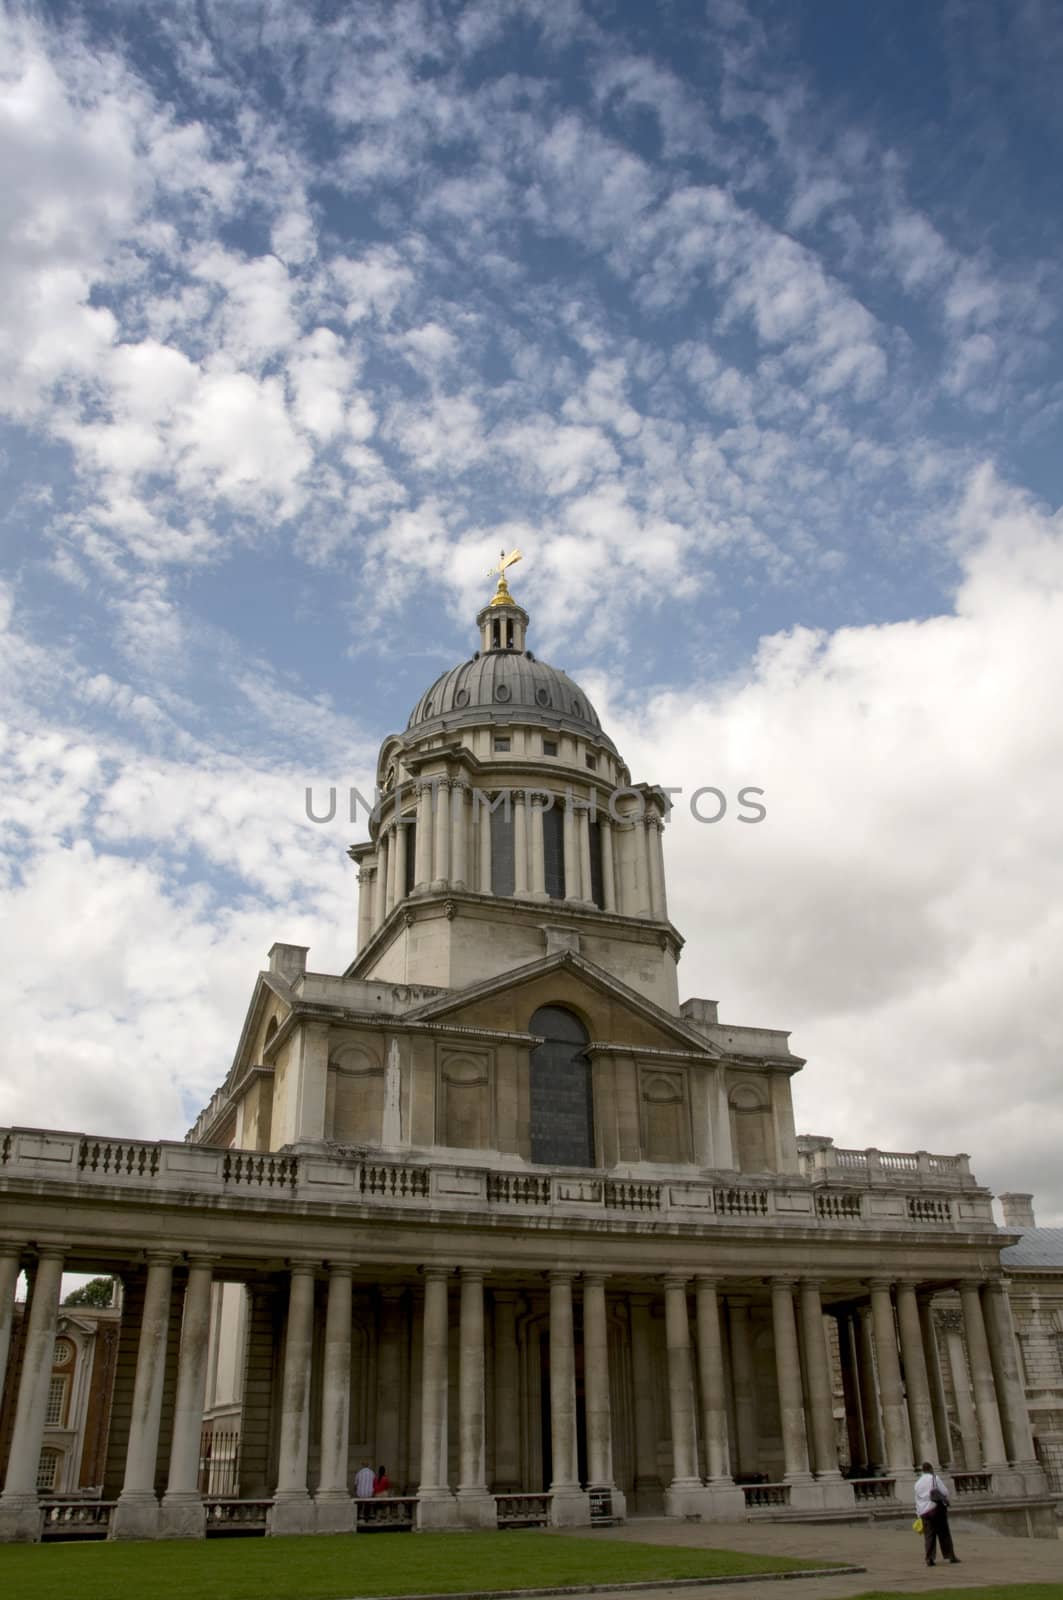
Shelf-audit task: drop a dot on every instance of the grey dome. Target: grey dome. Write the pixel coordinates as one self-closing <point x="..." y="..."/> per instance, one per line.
<point x="500" y="683"/>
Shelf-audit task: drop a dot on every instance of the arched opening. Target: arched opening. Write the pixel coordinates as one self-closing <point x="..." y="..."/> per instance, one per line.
<point x="562" y="1123"/>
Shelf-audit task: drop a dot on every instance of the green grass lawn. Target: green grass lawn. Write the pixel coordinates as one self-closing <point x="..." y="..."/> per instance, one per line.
<point x="338" y="1568"/>
<point x="992" y="1591"/>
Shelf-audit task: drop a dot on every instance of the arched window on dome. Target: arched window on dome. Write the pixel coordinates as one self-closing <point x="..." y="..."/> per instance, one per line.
<point x="561" y="1104"/>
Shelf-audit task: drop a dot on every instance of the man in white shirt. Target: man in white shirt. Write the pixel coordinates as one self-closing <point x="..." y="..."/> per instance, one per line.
<point x="932" y="1504"/>
<point x="363" y="1482"/>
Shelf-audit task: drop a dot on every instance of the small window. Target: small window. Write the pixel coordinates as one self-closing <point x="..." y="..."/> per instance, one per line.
<point x="47" y="1469"/>
<point x="592" y="762"/>
<point x="549" y="747"/>
<point x="64" y="1352"/>
<point x="502" y="744"/>
<point x="54" y="1415"/>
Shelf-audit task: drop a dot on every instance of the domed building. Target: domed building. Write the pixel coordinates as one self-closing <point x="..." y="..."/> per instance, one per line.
<point x="497" y="1209"/>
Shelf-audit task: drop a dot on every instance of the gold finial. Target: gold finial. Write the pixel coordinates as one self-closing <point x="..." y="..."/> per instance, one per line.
<point x="502" y="596"/>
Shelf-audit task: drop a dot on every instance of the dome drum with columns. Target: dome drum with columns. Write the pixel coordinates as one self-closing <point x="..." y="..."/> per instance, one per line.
<point x="493" y="1207"/>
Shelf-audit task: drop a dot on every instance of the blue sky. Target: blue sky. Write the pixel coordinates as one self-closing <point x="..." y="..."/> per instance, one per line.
<point x="742" y="320"/>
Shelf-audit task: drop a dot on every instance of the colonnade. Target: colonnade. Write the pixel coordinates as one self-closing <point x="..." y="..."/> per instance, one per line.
<point x="451" y="843"/>
<point x="889" y="1358"/>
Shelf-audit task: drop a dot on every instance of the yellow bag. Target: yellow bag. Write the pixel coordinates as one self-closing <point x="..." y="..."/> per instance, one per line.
<point x="917" y="1525"/>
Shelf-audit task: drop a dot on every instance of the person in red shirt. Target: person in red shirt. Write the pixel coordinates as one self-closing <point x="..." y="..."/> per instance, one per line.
<point x="381" y="1483"/>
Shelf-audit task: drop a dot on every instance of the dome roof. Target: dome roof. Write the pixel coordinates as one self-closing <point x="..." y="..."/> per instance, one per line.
<point x="496" y="685"/>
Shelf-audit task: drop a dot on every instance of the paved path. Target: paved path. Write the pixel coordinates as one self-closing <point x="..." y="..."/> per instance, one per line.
<point x="893" y="1556"/>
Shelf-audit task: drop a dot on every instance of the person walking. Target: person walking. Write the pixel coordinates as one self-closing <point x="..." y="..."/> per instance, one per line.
<point x="364" y="1481"/>
<point x="932" y="1504"/>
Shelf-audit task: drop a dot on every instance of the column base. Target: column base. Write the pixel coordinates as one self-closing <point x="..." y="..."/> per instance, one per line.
<point x="684" y="1497"/>
<point x="135" y="1517"/>
<point x="725" y="1501"/>
<point x="477" y="1509"/>
<point x="436" y="1508"/>
<point x="570" y="1508"/>
<point x="836" y="1493"/>
<point x="335" y="1512"/>
<point x="182" y="1516"/>
<point x="291" y="1513"/>
<point x="20" y="1519"/>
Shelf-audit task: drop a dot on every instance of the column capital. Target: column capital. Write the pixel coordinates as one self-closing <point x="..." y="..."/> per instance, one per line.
<point x="595" y="1279"/>
<point x="676" y="1280"/>
<point x="811" y="1283"/>
<point x="302" y="1269"/>
<point x="876" y="1285"/>
<point x="202" y="1258"/>
<point x="56" y="1252"/>
<point x="738" y="1302"/>
<point x="8" y="1250"/>
<point x="160" y="1258"/>
<point x="436" y="1274"/>
<point x="340" y="1269"/>
<point x="562" y="1275"/>
<point x="783" y="1285"/>
<point x="707" y="1280"/>
<point x="472" y="1274"/>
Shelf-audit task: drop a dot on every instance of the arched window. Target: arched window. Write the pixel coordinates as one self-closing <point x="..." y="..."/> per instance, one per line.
<point x="562" y="1130"/>
<point x="751" y="1130"/>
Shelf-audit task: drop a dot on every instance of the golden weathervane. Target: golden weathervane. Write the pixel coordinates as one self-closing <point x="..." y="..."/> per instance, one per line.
<point x="502" y="595"/>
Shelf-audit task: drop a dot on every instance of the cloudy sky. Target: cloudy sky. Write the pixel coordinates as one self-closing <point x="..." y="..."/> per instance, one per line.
<point x="742" y="319"/>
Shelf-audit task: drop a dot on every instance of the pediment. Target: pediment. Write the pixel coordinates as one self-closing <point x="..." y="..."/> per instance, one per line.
<point x="268" y="990"/>
<point x="612" y="1013"/>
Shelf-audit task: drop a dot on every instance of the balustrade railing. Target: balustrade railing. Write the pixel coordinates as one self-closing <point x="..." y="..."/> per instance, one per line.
<point x="873" y="1489"/>
<point x="226" y="1514"/>
<point x="972" y="1483"/>
<point x="765" y="1496"/>
<point x="622" y="1194"/>
<point x="923" y="1208"/>
<point x="386" y="1513"/>
<point x="398" y="1183"/>
<point x="522" y="1510"/>
<point x="742" y="1202"/>
<point x="839" y="1207"/>
<point x="515" y="1188"/>
<point x="260" y="1171"/>
<point x="128" y="1159"/>
<point x="76" y="1519"/>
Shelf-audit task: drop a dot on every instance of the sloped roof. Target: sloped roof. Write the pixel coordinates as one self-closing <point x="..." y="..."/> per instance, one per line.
<point x="1039" y="1247"/>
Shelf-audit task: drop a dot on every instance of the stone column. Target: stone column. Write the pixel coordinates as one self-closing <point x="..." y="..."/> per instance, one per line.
<point x="136" y="1514"/>
<point x="380" y="903"/>
<point x="680" y="1399"/>
<point x="476" y="1507"/>
<point x="435" y="1503"/>
<point x="583" y="829"/>
<point x="507" y="1393"/>
<point x="19" y="1510"/>
<point x="334" y="1508"/>
<point x="441" y="830"/>
<point x="869" y="1399"/>
<point x="854" y="1421"/>
<point x="994" y="1456"/>
<point x="459" y="837"/>
<point x="605" y="831"/>
<point x="788" y="1375"/>
<point x="712" y="1384"/>
<point x="9" y="1271"/>
<point x="365" y="906"/>
<point x="570" y="842"/>
<point x="391" y="893"/>
<point x="568" y="1504"/>
<point x="920" y="1409"/>
<point x="598" y="1409"/>
<point x="182" y="1515"/>
<point x="423" y="840"/>
<point x="649" y="851"/>
<point x="401" y="844"/>
<point x="745" y="1395"/>
<point x="520" y="844"/>
<point x="938" y="1405"/>
<point x="647" y="1479"/>
<point x="537" y="888"/>
<point x="820" y="1393"/>
<point x="655" y="848"/>
<point x="483" y="831"/>
<point x="390" y="1361"/>
<point x="970" y="1448"/>
<point x="1011" y="1393"/>
<point x="292" y="1510"/>
<point x="891" y="1391"/>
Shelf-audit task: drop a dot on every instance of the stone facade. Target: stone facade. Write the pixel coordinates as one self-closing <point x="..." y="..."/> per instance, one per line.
<point x="494" y="1208"/>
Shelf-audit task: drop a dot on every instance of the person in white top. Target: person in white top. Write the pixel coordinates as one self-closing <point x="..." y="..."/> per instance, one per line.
<point x="932" y="1504"/>
<point x="364" y="1480"/>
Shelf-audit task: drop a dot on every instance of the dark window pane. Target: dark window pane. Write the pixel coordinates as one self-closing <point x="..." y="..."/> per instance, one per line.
<point x="502" y="879"/>
<point x="554" y="851"/>
<point x="597" y="892"/>
<point x="411" y="857"/>
<point x="561" y="1107"/>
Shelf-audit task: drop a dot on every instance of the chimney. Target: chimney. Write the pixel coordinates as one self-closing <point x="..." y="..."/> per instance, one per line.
<point x="703" y="1012"/>
<point x="288" y="961"/>
<point x="1018" y="1211"/>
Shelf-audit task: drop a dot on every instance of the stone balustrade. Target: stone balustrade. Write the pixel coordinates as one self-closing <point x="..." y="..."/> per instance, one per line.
<point x="821" y="1159"/>
<point x="429" y="1180"/>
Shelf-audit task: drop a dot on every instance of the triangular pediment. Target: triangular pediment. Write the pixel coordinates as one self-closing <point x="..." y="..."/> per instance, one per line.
<point x="269" y="988"/>
<point x="612" y="1012"/>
